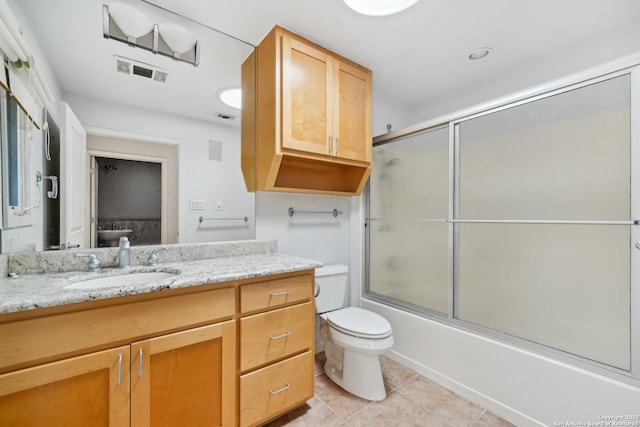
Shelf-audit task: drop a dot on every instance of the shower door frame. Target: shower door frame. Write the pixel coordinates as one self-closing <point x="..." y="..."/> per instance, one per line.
<point x="633" y="375"/>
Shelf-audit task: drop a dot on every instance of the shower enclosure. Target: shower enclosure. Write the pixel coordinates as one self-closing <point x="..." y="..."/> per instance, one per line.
<point x="517" y="222"/>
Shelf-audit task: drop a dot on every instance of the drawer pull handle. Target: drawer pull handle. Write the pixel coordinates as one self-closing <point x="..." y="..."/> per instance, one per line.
<point x="120" y="369"/>
<point x="286" y="387"/>
<point x="140" y="367"/>
<point x="277" y="294"/>
<point x="286" y="334"/>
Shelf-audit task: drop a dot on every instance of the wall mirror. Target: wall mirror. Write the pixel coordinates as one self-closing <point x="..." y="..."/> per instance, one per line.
<point x="126" y="92"/>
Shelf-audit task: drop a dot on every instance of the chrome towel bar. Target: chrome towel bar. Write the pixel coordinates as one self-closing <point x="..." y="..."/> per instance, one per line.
<point x="245" y="219"/>
<point x="334" y="212"/>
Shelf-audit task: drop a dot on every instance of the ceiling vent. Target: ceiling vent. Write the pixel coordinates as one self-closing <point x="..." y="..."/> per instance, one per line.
<point x="131" y="67"/>
<point x="225" y="116"/>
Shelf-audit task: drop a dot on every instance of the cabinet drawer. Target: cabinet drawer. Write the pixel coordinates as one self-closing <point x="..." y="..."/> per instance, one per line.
<point x="264" y="295"/>
<point x="275" y="334"/>
<point x="27" y="342"/>
<point x="275" y="389"/>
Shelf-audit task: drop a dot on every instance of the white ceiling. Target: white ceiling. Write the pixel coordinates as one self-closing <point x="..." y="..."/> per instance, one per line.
<point x="417" y="56"/>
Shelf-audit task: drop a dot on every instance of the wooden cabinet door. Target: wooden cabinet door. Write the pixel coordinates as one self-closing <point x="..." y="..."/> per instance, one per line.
<point x="306" y="97"/>
<point x="352" y="113"/>
<point x="89" y="390"/>
<point x="185" y="379"/>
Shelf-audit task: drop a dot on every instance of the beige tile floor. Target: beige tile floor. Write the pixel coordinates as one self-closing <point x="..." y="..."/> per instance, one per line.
<point x="412" y="400"/>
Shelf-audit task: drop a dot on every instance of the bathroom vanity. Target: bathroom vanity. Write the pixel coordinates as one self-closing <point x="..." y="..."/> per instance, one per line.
<point x="224" y="341"/>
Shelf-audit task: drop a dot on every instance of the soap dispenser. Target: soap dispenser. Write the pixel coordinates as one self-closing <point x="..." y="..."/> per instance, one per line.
<point x="124" y="253"/>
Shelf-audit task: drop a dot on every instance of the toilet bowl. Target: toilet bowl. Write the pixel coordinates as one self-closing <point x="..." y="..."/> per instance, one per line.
<point x="353" y="338"/>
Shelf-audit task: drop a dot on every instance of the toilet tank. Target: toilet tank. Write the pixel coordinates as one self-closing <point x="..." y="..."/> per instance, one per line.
<point x="331" y="281"/>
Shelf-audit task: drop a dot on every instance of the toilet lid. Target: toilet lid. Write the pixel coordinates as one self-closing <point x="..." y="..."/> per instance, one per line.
<point x="359" y="322"/>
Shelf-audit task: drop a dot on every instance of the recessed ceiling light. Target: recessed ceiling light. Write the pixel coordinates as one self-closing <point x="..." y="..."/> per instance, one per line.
<point x="379" y="7"/>
<point x="479" y="53"/>
<point x="232" y="97"/>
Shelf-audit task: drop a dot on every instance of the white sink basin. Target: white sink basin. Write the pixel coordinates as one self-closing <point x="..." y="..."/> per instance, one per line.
<point x="121" y="280"/>
<point x="112" y="235"/>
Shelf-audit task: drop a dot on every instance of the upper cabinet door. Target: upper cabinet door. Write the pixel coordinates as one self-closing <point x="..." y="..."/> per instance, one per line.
<point x="352" y="113"/>
<point x="306" y="97"/>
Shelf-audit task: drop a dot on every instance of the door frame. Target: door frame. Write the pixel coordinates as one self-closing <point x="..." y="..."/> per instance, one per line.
<point x="142" y="154"/>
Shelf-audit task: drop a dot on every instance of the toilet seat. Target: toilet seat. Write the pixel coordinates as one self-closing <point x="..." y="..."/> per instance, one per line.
<point x="358" y="322"/>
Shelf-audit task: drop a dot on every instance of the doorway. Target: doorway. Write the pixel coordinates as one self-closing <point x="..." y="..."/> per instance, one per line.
<point x="128" y="201"/>
<point x="51" y="173"/>
<point x="137" y="170"/>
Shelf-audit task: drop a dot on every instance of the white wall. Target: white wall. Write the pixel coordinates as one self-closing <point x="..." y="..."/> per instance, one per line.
<point x="518" y="384"/>
<point x="389" y="111"/>
<point x="200" y="178"/>
<point x="319" y="237"/>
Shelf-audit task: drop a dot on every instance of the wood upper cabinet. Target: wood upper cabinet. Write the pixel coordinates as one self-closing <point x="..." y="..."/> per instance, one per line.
<point x="325" y="103"/>
<point x="311" y="121"/>
<point x="89" y="390"/>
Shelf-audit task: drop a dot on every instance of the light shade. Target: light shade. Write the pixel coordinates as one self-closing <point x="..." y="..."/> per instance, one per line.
<point x="232" y="97"/>
<point x="178" y="38"/>
<point x="130" y="20"/>
<point x="379" y="7"/>
<point x="126" y="24"/>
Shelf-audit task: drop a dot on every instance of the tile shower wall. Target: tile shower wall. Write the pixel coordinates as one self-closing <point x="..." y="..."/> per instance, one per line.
<point x="129" y="198"/>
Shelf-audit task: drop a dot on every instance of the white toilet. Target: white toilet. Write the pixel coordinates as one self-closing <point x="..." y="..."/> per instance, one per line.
<point x="354" y="338"/>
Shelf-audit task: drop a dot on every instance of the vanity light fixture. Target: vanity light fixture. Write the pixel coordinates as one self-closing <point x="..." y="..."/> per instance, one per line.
<point x="129" y="25"/>
<point x="232" y="97"/>
<point x="131" y="21"/>
<point x="379" y="7"/>
<point x="479" y="53"/>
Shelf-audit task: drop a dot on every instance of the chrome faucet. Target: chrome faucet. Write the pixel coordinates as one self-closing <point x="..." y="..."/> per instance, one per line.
<point x="153" y="258"/>
<point x="93" y="264"/>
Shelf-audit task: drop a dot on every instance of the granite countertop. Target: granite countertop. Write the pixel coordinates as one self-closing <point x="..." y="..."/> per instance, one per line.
<point x="32" y="291"/>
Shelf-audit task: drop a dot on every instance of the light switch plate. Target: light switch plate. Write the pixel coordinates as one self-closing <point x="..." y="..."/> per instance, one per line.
<point x="196" y="205"/>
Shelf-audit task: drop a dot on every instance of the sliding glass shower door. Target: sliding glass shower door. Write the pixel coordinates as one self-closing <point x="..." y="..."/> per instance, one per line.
<point x="517" y="220"/>
<point x="408" y="220"/>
